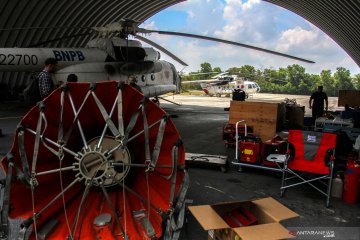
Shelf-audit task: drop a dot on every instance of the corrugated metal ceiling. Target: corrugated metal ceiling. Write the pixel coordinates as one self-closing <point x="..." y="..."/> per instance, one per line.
<point x="67" y="17"/>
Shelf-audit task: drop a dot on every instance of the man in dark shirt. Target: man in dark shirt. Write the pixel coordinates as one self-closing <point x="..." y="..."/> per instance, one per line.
<point x="238" y="94"/>
<point x="46" y="85"/>
<point x="316" y="102"/>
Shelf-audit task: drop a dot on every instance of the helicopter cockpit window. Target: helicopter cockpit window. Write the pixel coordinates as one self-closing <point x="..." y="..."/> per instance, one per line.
<point x="129" y="54"/>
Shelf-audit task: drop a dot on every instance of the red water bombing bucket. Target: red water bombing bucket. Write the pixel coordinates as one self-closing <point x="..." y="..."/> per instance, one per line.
<point x="95" y="161"/>
<point x="351" y="181"/>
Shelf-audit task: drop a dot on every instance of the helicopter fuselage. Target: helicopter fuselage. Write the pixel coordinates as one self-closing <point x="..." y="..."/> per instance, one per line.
<point x="102" y="59"/>
<point x="222" y="87"/>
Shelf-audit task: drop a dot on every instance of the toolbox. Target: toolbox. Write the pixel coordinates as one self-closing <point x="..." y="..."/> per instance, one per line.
<point x="229" y="133"/>
<point x="250" y="149"/>
<point x="239" y="217"/>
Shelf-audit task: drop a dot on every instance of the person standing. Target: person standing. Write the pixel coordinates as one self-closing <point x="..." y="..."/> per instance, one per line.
<point x="46" y="85"/>
<point x="316" y="102"/>
<point x="238" y="94"/>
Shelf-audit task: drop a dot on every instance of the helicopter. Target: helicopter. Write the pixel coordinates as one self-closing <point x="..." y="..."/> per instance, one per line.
<point x="224" y="84"/>
<point x="112" y="55"/>
<point x="226" y="88"/>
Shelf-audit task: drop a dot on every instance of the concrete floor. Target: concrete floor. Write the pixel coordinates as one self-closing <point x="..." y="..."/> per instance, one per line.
<point x="200" y="121"/>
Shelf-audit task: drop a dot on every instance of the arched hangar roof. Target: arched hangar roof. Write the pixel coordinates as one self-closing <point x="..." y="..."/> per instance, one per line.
<point x="30" y="22"/>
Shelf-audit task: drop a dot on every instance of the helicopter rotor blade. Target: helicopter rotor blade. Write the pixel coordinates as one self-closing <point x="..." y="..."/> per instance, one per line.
<point x="130" y="27"/>
<point x="202" y="73"/>
<point x="161" y="49"/>
<point x="42" y="28"/>
<point x="228" y="42"/>
<point x="59" y="39"/>
<point x="90" y="31"/>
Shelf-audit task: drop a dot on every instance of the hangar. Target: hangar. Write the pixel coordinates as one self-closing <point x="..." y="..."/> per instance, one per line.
<point x="17" y="36"/>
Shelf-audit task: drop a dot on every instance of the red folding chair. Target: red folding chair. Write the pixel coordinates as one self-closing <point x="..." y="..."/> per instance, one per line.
<point x="308" y="152"/>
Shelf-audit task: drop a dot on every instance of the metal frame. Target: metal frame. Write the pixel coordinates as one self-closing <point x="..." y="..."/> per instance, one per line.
<point x="284" y="158"/>
<point x="327" y="177"/>
<point x="237" y="162"/>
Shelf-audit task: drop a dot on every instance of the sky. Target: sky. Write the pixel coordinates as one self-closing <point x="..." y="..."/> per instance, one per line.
<point x="252" y="22"/>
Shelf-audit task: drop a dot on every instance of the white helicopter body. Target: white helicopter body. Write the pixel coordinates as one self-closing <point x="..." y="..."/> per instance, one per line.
<point x="225" y="84"/>
<point x="102" y="59"/>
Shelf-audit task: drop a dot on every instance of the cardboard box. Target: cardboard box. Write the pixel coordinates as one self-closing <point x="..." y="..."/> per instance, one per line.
<point x="268" y="212"/>
<point x="349" y="97"/>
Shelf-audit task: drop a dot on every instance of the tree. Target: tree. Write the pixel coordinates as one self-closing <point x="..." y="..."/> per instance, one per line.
<point x="233" y="70"/>
<point x="205" y="67"/>
<point x="217" y="69"/>
<point x="342" y="79"/>
<point x="328" y="82"/>
<point x="305" y="85"/>
<point x="296" y="74"/>
<point x="314" y="81"/>
<point x="247" y="71"/>
<point x="356" y="81"/>
<point x="282" y="75"/>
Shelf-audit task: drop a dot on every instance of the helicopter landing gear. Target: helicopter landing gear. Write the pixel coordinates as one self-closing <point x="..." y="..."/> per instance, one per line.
<point x="156" y="101"/>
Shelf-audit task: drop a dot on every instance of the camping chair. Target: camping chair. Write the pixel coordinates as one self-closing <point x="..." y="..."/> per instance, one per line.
<point x="307" y="152"/>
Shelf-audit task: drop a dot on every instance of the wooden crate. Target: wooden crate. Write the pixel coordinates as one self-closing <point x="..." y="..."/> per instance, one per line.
<point x="349" y="97"/>
<point x="266" y="118"/>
